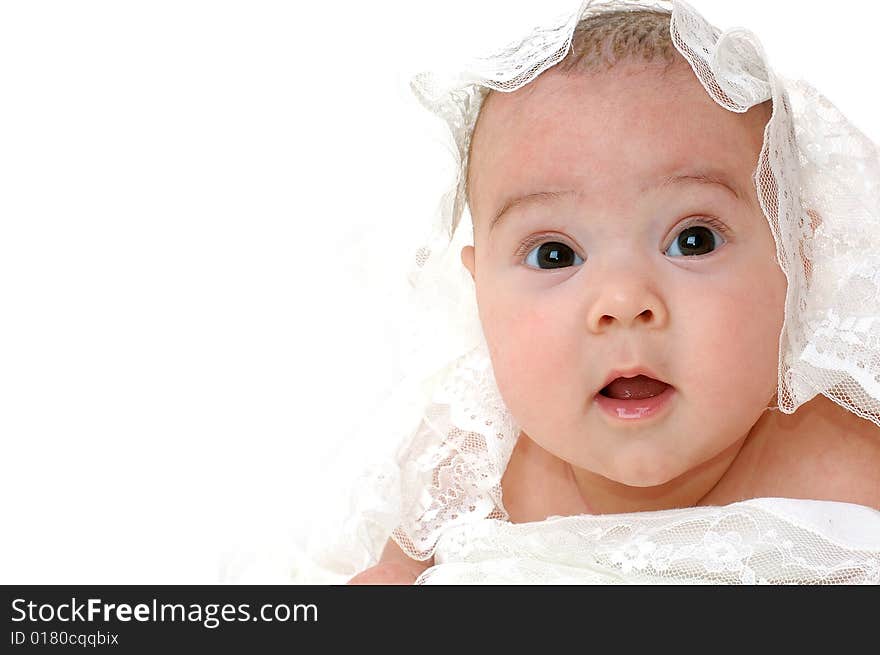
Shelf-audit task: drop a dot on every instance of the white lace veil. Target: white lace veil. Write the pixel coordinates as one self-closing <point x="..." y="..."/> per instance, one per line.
<point x="818" y="182"/>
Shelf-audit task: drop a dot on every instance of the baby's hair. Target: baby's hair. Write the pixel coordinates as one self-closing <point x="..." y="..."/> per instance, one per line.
<point x="602" y="40"/>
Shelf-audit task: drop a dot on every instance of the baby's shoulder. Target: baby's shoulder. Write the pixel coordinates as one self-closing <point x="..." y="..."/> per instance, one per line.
<point x="822" y="453"/>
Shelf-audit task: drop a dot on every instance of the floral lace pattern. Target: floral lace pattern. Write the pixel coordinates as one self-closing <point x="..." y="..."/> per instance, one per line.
<point x="762" y="541"/>
<point x="451" y="471"/>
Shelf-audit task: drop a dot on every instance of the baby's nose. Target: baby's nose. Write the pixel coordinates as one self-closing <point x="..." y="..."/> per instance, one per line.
<point x="629" y="302"/>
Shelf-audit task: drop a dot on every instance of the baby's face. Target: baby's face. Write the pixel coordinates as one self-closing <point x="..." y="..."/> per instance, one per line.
<point x="637" y="260"/>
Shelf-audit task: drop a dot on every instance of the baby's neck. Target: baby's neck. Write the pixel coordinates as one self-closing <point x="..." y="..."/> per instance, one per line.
<point x="565" y="490"/>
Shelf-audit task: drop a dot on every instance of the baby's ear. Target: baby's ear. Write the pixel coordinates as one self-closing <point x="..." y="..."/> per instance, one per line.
<point x="467" y="258"/>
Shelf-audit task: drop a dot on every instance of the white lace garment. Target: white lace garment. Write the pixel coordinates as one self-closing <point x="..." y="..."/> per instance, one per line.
<point x="759" y="541"/>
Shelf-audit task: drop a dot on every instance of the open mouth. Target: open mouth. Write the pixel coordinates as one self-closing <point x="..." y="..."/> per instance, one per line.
<point x="635" y="399"/>
<point x="637" y="388"/>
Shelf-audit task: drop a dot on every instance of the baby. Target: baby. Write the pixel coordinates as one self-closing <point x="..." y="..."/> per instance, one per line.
<point x="631" y="298"/>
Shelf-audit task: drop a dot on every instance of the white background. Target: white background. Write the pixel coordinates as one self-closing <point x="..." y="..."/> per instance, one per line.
<point x="207" y="210"/>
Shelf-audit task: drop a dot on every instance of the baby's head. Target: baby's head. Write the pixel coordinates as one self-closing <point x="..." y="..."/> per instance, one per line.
<point x="616" y="227"/>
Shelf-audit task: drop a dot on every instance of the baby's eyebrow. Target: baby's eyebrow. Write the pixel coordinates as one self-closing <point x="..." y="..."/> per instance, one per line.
<point x="701" y="177"/>
<point x="540" y="198"/>
<point x="713" y="177"/>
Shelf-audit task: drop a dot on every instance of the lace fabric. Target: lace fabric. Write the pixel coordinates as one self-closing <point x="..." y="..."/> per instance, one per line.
<point x="452" y="482"/>
<point x="761" y="541"/>
<point x="818" y="181"/>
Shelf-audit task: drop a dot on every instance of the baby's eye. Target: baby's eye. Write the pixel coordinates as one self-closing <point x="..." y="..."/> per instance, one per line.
<point x="695" y="240"/>
<point x="552" y="254"/>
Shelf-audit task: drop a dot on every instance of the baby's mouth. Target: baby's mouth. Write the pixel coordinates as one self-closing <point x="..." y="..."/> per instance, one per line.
<point x="637" y="388"/>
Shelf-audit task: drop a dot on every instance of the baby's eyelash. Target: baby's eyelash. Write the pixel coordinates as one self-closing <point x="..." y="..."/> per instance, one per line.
<point x="708" y="220"/>
<point x="526" y="246"/>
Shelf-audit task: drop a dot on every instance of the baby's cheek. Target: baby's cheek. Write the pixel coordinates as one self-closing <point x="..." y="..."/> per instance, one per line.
<point x="526" y="355"/>
<point x="742" y="353"/>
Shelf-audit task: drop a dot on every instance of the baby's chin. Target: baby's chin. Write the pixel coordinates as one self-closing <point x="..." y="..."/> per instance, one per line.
<point x="641" y="479"/>
<point x="645" y="469"/>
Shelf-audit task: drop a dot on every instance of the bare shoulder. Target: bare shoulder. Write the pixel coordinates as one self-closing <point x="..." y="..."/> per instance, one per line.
<point x="821" y="452"/>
